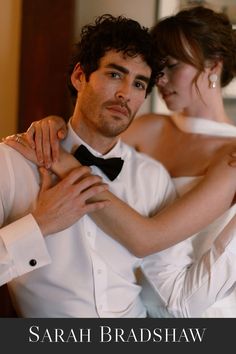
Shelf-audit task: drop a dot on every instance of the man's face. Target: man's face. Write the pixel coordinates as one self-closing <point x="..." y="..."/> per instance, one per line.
<point x="108" y="102"/>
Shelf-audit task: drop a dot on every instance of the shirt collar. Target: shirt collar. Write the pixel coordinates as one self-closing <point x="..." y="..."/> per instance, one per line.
<point x="73" y="141"/>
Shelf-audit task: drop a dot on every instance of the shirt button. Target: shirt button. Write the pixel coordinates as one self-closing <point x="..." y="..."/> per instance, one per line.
<point x="89" y="234"/>
<point x="32" y="262"/>
<point x="99" y="271"/>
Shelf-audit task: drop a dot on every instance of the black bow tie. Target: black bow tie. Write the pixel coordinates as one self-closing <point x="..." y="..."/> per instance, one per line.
<point x="111" y="167"/>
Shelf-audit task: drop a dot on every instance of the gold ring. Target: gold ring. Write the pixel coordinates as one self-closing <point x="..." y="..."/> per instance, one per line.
<point x="18" y="138"/>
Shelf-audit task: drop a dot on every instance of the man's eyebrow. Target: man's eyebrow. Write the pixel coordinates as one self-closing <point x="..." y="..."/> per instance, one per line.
<point x="126" y="71"/>
<point x="117" y="67"/>
<point x="143" y="78"/>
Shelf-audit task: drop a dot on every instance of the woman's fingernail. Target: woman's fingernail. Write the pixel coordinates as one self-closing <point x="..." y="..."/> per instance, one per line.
<point x="47" y="165"/>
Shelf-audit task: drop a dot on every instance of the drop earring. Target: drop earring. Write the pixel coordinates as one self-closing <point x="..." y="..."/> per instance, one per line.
<point x="213" y="79"/>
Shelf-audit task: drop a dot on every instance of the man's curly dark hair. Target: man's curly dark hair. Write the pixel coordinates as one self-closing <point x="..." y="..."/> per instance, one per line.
<point x="112" y="33"/>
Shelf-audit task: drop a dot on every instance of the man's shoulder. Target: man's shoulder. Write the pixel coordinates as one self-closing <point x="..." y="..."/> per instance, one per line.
<point x="8" y="151"/>
<point x="140" y="157"/>
<point x="13" y="158"/>
<point x="152" y="180"/>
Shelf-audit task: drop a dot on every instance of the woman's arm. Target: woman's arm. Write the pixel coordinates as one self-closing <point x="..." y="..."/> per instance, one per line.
<point x="186" y="216"/>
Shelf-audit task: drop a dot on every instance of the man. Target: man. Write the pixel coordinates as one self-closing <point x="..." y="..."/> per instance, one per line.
<point x="90" y="274"/>
<point x="85" y="277"/>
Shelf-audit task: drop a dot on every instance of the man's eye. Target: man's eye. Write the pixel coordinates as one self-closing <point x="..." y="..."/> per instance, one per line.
<point x="140" y="85"/>
<point x="114" y="75"/>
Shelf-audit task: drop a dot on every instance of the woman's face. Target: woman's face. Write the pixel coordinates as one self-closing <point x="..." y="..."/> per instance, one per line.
<point x="177" y="88"/>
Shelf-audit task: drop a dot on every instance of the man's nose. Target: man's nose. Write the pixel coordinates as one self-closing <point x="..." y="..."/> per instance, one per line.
<point x="124" y="93"/>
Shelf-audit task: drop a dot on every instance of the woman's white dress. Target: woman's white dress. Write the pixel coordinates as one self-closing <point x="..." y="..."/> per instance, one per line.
<point x="225" y="307"/>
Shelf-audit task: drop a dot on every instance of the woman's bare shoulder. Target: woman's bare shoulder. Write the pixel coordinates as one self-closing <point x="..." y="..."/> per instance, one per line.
<point x="151" y="119"/>
<point x="144" y="126"/>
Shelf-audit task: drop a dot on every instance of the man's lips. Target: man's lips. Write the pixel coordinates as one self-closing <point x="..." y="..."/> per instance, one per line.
<point x="118" y="109"/>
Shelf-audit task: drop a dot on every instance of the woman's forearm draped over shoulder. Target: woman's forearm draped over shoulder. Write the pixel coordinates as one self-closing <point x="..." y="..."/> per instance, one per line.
<point x="186" y="216"/>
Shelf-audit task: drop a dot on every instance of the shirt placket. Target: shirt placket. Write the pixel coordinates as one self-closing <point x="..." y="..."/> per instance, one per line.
<point x="99" y="268"/>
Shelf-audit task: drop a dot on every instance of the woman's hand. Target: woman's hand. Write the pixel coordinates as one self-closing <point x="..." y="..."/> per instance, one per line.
<point x="61" y="167"/>
<point x="20" y="143"/>
<point x="44" y="136"/>
<point x="41" y="143"/>
<point x="222" y="168"/>
<point x="223" y="162"/>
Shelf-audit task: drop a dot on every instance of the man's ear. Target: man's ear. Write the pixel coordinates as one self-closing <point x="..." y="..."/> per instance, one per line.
<point x="77" y="77"/>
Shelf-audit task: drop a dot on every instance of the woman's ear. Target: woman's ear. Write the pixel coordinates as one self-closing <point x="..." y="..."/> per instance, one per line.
<point x="214" y="66"/>
<point x="213" y="69"/>
<point x="77" y="77"/>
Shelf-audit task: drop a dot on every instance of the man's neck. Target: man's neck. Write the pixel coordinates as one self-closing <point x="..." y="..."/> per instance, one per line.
<point x="95" y="140"/>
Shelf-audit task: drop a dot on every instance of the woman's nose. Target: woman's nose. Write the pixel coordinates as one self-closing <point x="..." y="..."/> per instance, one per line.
<point x="161" y="79"/>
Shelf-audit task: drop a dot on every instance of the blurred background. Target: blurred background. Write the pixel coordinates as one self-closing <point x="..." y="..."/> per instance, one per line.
<point x="36" y="37"/>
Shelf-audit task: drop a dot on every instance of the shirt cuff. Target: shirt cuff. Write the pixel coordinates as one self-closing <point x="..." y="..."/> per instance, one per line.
<point x="25" y="245"/>
<point x="226" y="241"/>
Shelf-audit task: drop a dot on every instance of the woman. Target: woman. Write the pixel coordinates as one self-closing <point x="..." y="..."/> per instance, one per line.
<point x="187" y="86"/>
<point x="200" y="50"/>
<point x="199" y="47"/>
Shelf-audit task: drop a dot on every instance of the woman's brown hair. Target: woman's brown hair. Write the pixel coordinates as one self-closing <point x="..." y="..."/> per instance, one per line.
<point x="195" y="35"/>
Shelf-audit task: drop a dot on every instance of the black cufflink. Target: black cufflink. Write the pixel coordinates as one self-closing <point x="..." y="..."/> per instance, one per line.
<point x="32" y="262"/>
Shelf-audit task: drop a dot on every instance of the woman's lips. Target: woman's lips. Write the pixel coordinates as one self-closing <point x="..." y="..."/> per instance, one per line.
<point x="166" y="94"/>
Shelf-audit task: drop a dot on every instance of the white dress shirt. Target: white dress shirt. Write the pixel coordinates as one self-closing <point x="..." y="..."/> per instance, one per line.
<point x="197" y="277"/>
<point x="90" y="274"/>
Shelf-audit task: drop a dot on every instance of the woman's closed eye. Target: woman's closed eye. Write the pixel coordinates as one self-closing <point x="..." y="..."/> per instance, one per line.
<point x="171" y="65"/>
